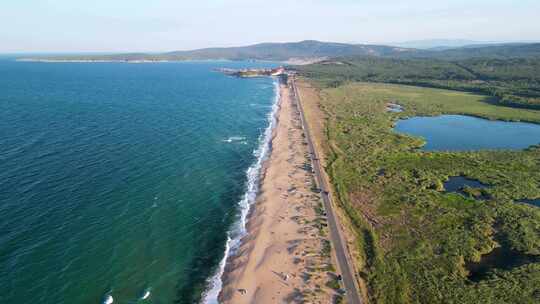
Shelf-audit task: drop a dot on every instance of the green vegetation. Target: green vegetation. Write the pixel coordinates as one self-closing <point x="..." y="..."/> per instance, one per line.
<point x="510" y="50"/>
<point x="512" y="82"/>
<point x="338" y="299"/>
<point x="333" y="283"/>
<point x="326" y="248"/>
<point x="415" y="240"/>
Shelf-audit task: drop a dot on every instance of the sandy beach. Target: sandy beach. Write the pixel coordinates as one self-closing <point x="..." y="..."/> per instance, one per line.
<point x="286" y="257"/>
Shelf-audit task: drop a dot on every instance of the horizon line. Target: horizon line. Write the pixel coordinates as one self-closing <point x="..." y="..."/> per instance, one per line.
<point x="391" y="44"/>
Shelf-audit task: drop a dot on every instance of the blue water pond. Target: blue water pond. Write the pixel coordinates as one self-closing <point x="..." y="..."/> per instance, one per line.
<point x="458" y="184"/>
<point x="466" y="133"/>
<point x="534" y="202"/>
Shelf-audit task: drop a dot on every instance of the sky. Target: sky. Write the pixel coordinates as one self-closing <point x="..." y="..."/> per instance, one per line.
<point x="167" y="25"/>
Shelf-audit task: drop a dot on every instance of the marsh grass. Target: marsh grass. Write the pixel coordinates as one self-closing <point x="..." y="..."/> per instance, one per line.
<point x="415" y="240"/>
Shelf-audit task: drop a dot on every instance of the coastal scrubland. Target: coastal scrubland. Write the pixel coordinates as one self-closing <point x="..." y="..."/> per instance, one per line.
<point x="417" y="243"/>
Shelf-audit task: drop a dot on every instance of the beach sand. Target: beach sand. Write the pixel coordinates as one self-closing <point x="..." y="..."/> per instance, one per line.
<point x="285" y="257"/>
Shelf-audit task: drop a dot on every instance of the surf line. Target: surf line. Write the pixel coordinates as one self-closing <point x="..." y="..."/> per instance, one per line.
<point x="253" y="174"/>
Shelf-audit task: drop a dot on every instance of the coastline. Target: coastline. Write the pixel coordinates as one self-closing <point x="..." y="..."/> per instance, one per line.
<point x="290" y="61"/>
<point x="284" y="255"/>
<point x="108" y="60"/>
<point x="254" y="175"/>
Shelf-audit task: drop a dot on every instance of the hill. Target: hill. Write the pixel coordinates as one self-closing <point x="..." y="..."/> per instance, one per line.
<point x="312" y="51"/>
<point x="304" y="50"/>
<point x="440" y="44"/>
<point x="513" y="50"/>
<point x="286" y="51"/>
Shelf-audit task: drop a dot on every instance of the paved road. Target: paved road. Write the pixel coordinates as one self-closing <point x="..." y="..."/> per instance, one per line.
<point x="340" y="249"/>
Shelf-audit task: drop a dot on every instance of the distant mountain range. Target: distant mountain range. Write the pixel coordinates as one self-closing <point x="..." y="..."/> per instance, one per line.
<point x="285" y="51"/>
<point x="310" y="50"/>
<point x="442" y="44"/>
<point x="500" y="51"/>
<point x="304" y="50"/>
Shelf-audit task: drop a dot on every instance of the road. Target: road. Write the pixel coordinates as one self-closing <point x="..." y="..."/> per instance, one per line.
<point x="339" y="245"/>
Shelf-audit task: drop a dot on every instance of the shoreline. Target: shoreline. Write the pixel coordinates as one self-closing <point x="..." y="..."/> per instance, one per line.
<point x="284" y="255"/>
<point x="108" y="60"/>
<point x="290" y="61"/>
<point x="255" y="175"/>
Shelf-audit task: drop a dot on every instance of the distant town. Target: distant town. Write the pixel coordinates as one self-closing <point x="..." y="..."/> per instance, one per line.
<point x="246" y="73"/>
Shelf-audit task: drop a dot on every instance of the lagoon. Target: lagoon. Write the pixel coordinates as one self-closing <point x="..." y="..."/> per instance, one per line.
<point x="467" y="133"/>
<point x="499" y="258"/>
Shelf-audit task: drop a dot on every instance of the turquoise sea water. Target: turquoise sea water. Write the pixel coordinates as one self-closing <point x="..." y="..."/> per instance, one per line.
<point x="465" y="133"/>
<point x="122" y="179"/>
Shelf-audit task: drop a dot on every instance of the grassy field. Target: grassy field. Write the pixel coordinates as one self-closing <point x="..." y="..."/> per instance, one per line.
<point x="511" y="82"/>
<point x="416" y="241"/>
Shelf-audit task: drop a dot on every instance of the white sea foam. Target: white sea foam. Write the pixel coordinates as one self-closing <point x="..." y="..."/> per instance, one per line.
<point x="146" y="294"/>
<point x="234" y="138"/>
<point x="108" y="299"/>
<point x="239" y="228"/>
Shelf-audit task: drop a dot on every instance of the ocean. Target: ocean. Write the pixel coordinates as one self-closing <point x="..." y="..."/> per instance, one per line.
<point x="125" y="182"/>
